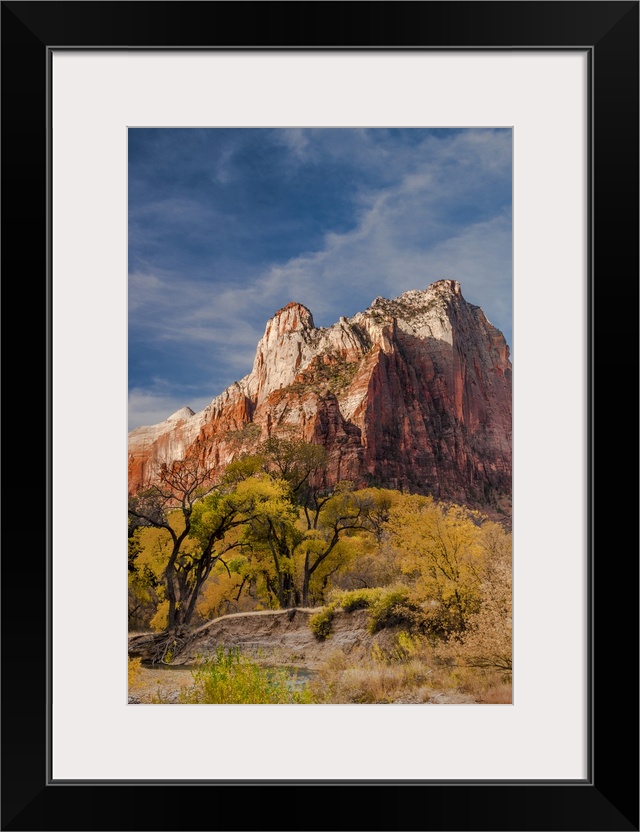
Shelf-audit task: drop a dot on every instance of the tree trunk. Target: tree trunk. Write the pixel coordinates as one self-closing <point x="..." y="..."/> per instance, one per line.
<point x="288" y="591"/>
<point x="305" y="581"/>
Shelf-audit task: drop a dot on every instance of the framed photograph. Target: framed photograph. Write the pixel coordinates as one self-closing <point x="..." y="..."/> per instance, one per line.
<point x="510" y="131"/>
<point x="327" y="519"/>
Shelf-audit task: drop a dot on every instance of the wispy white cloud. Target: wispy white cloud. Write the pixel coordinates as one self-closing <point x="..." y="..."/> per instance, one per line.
<point x="296" y="140"/>
<point x="427" y="211"/>
<point x="406" y="237"/>
<point x="171" y="308"/>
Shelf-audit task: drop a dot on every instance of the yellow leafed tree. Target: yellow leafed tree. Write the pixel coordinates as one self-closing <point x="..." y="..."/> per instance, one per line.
<point x="440" y="551"/>
<point x="487" y="641"/>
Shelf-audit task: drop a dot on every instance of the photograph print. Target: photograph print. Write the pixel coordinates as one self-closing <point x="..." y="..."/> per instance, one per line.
<point x="320" y="416"/>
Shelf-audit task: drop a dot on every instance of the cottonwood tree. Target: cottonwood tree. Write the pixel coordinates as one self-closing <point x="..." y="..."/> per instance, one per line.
<point x="440" y="550"/>
<point x="143" y="598"/>
<point x="283" y="472"/>
<point x="329" y="513"/>
<point x="272" y="534"/>
<point x="296" y="462"/>
<point x="331" y="519"/>
<point x="196" y="516"/>
<point x="487" y="641"/>
<point x="290" y="544"/>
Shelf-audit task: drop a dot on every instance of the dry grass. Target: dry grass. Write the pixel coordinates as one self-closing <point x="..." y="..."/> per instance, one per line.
<point x="498" y="695"/>
<point x="410" y="672"/>
<point x="400" y="669"/>
<point x="487" y="687"/>
<point x="369" y="682"/>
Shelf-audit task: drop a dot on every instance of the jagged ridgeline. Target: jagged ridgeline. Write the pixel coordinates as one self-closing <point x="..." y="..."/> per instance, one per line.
<point x="413" y="393"/>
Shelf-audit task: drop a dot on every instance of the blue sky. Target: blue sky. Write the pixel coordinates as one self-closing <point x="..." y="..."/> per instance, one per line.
<point x="226" y="226"/>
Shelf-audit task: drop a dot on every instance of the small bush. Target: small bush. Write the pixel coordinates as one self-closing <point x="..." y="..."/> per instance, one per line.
<point x="359" y="599"/>
<point x="231" y="678"/>
<point x="387" y="608"/>
<point x="393" y="608"/>
<point x="321" y="622"/>
<point x="406" y="645"/>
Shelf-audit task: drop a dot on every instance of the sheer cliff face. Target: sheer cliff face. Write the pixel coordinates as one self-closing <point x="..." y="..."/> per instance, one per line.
<point x="413" y="393"/>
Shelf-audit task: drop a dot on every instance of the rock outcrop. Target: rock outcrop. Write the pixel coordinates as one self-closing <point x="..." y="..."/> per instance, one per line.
<point x="413" y="393"/>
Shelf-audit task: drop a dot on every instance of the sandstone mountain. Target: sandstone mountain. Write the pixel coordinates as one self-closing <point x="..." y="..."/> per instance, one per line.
<point x="413" y="393"/>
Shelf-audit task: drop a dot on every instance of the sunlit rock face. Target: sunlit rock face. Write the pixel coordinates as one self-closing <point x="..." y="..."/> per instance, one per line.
<point x="413" y="393"/>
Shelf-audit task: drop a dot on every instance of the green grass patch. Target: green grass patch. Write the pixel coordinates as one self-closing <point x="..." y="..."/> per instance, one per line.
<point x="233" y="679"/>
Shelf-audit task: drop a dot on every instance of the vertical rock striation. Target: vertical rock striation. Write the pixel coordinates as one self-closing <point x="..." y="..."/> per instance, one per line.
<point x="413" y="393"/>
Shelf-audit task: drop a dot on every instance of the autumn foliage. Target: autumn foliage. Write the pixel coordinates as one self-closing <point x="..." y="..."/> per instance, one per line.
<point x="266" y="536"/>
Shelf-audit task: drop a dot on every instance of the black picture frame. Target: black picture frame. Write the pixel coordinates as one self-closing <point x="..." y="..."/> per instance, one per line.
<point x="608" y="798"/>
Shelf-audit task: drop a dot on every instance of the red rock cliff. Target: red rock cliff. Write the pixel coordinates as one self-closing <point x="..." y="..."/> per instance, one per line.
<point x="413" y="393"/>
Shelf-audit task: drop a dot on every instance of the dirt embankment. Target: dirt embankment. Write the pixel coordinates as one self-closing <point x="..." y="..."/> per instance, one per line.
<point x="278" y="637"/>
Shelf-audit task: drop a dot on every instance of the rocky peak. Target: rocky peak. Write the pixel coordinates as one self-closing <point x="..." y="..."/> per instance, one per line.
<point x="442" y="292"/>
<point x="183" y="413"/>
<point x="425" y="313"/>
<point x="293" y="317"/>
<point x="286" y="346"/>
<point x="445" y="287"/>
<point x="414" y="392"/>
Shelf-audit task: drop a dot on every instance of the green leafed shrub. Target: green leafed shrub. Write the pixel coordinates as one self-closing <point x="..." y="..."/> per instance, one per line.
<point x="320" y="623"/>
<point x="359" y="599"/>
<point x="232" y="678"/>
<point x="393" y="609"/>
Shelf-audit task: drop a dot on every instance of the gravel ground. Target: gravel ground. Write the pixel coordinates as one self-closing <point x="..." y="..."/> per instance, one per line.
<point x="154" y="681"/>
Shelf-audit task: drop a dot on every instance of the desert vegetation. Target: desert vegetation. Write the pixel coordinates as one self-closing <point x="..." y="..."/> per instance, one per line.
<point x="434" y="580"/>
